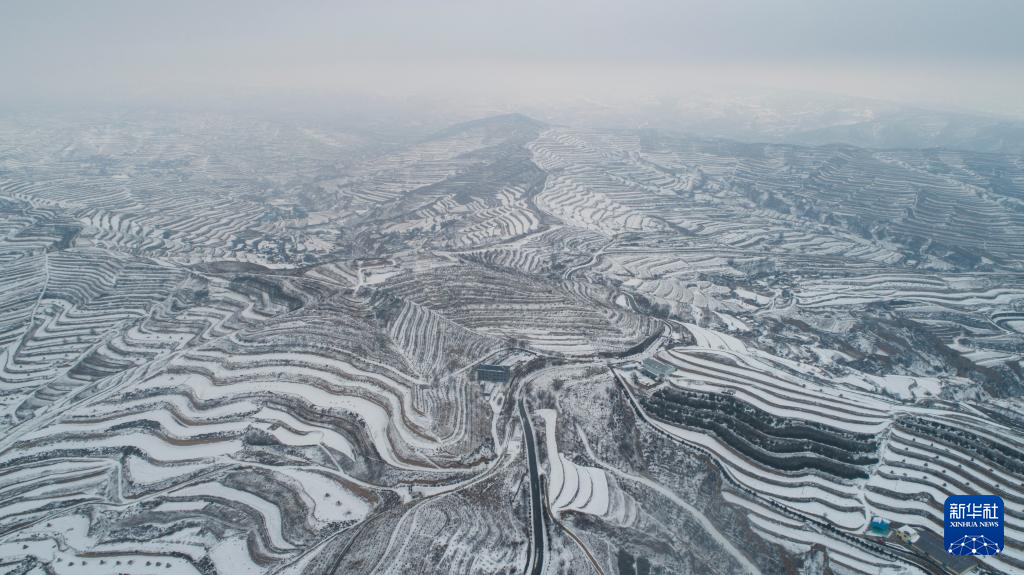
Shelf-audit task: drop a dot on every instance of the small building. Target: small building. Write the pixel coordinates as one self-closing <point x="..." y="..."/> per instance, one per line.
<point x="907" y="534"/>
<point x="879" y="527"/>
<point x="493" y="373"/>
<point x="656" y="369"/>
<point x="934" y="547"/>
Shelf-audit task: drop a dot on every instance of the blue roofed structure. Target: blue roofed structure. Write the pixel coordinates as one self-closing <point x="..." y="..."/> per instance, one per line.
<point x="493" y="373"/>
<point x="656" y="369"/>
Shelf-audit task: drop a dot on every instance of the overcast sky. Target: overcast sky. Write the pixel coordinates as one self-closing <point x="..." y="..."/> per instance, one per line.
<point x="940" y="52"/>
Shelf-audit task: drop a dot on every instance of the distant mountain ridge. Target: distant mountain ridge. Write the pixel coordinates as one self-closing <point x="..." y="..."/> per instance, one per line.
<point x="923" y="130"/>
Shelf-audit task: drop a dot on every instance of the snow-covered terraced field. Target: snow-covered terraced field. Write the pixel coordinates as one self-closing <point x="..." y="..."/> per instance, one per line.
<point x="236" y="345"/>
<point x="828" y="451"/>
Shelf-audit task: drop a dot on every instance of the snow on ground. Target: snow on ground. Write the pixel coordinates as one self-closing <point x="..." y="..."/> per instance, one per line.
<point x="77" y="553"/>
<point x="271" y="513"/>
<point x="572" y="487"/>
<point x="145" y="472"/>
<point x="901" y="386"/>
<point x="232" y="556"/>
<point x="331" y="500"/>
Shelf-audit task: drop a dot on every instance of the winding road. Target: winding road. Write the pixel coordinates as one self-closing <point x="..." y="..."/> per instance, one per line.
<point x="536" y="506"/>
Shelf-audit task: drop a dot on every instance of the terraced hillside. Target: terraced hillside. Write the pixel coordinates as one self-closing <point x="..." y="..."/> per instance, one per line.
<point x="231" y="345"/>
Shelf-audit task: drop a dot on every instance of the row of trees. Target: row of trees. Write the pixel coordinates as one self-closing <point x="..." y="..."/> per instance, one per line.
<point x="745" y="430"/>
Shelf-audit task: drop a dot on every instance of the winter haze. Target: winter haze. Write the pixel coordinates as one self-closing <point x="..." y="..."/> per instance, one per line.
<point x="510" y="287"/>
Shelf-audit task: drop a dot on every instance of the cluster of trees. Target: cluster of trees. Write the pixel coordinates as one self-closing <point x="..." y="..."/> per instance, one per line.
<point x="967" y="442"/>
<point x="778" y="442"/>
<point x="652" y="308"/>
<point x="630" y="565"/>
<point x="256" y="287"/>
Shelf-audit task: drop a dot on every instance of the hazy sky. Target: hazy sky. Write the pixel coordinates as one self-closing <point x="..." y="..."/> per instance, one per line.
<point x="941" y="52"/>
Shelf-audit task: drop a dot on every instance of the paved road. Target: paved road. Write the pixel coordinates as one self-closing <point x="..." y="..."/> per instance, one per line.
<point x="536" y="506"/>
